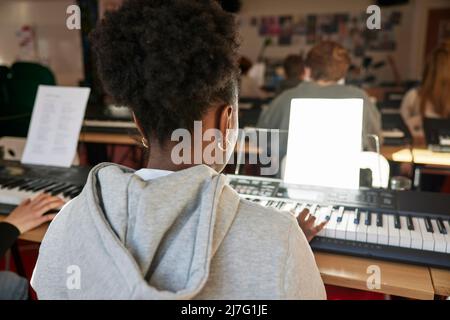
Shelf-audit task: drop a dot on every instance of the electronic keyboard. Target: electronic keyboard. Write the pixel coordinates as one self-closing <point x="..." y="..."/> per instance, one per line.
<point x="19" y="182"/>
<point x="402" y="226"/>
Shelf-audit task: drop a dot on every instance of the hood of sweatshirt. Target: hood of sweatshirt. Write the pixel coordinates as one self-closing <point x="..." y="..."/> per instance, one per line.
<point x="153" y="239"/>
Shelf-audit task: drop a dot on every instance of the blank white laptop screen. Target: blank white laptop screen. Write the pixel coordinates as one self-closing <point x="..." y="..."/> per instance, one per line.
<point x="324" y="143"/>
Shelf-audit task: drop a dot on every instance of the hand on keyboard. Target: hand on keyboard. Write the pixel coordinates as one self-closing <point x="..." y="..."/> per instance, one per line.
<point x="306" y="223"/>
<point x="31" y="212"/>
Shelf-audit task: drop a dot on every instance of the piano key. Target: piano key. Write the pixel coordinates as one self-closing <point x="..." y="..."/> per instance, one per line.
<point x="405" y="234"/>
<point x="397" y="223"/>
<point x="383" y="230"/>
<point x="350" y="233"/>
<point x="394" y="233"/>
<point x="357" y="216"/>
<point x="341" y="226"/>
<point x="427" y="236"/>
<point x="379" y="219"/>
<point x="321" y="214"/>
<point x="41" y="187"/>
<point x="439" y="240"/>
<point x="330" y="227"/>
<point x="440" y="225"/>
<point x="361" y="229"/>
<point x="409" y="223"/>
<point x="428" y="225"/>
<point x="372" y="232"/>
<point x="368" y="220"/>
<point x="416" y="234"/>
<point x="313" y="209"/>
<point x="289" y="206"/>
<point x="447" y="236"/>
<point x="60" y="189"/>
<point x="33" y="184"/>
<point x="340" y="213"/>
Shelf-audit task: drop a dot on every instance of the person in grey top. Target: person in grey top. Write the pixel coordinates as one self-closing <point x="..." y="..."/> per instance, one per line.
<point x="176" y="229"/>
<point x="326" y="65"/>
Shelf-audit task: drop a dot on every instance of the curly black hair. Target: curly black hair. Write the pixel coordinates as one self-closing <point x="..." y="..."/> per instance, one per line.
<point x="168" y="60"/>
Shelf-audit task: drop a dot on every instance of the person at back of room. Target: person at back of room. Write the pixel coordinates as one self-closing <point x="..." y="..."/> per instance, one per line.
<point x="249" y="88"/>
<point x="294" y="70"/>
<point x="326" y="66"/>
<point x="176" y="229"/>
<point x="432" y="98"/>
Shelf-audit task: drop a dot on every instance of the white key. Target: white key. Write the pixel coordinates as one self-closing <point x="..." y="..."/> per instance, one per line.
<point x="383" y="232"/>
<point x="428" y="240"/>
<point x="447" y="236"/>
<point x="321" y="213"/>
<point x="394" y="234"/>
<point x="416" y="235"/>
<point x="330" y="227"/>
<point x="361" y="229"/>
<point x="313" y="210"/>
<point x="372" y="232"/>
<point x="350" y="233"/>
<point x="405" y="234"/>
<point x="439" y="241"/>
<point x="341" y="227"/>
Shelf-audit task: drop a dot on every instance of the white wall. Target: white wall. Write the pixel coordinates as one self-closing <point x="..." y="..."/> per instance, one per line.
<point x="410" y="34"/>
<point x="56" y="45"/>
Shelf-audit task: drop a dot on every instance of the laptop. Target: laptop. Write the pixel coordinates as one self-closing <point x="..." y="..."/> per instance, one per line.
<point x="437" y="134"/>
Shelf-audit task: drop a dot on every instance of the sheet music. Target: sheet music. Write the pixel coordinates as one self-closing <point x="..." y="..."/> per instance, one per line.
<point x="55" y="125"/>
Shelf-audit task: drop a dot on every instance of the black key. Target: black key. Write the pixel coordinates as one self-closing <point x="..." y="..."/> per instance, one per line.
<point x="397" y="223"/>
<point x="32" y="184"/>
<point x="9" y="182"/>
<point x="368" y="218"/>
<point x="428" y="225"/>
<point x="60" y="189"/>
<point x="281" y="204"/>
<point x="379" y="219"/>
<point x="76" y="192"/>
<point x="409" y="223"/>
<point x="41" y="186"/>
<point x="340" y="214"/>
<point x="15" y="184"/>
<point x="358" y="216"/>
<point x="53" y="187"/>
<point x="26" y="184"/>
<point x="441" y="226"/>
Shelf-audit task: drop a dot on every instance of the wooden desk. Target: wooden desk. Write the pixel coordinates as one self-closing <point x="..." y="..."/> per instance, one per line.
<point x="108" y="138"/>
<point x="441" y="281"/>
<point x="35" y="235"/>
<point x="396" y="278"/>
<point x="351" y="272"/>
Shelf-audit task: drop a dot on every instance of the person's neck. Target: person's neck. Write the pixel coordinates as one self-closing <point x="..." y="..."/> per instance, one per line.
<point x="324" y="83"/>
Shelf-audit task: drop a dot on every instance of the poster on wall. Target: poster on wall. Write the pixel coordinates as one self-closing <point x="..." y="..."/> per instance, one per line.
<point x="345" y="28"/>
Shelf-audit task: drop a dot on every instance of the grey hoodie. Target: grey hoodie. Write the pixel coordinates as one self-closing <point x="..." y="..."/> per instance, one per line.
<point x="186" y="235"/>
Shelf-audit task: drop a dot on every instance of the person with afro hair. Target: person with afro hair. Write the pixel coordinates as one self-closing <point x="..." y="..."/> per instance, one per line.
<point x="175" y="229"/>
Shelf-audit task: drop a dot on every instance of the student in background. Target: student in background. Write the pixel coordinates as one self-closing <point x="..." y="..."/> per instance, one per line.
<point x="28" y="215"/>
<point x="294" y="70"/>
<point x="432" y="98"/>
<point x="326" y="66"/>
<point x="249" y="88"/>
<point x="175" y="229"/>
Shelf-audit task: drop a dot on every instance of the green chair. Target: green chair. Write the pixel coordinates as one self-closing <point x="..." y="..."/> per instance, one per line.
<point x="22" y="85"/>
